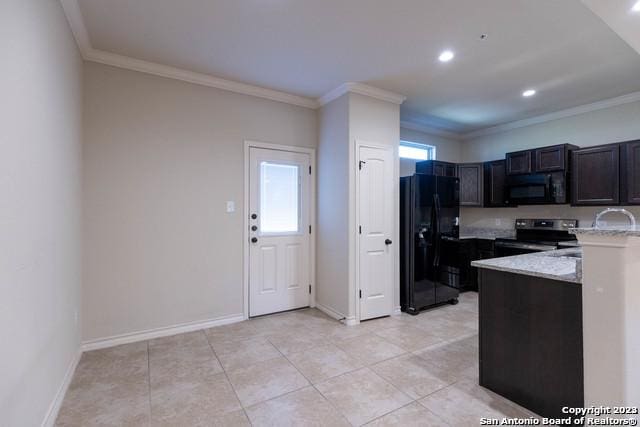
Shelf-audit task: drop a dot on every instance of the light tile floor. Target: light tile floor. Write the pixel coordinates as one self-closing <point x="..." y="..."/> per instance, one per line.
<point x="299" y="368"/>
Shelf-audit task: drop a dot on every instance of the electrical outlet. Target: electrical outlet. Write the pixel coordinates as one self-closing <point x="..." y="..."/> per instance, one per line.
<point x="231" y="206"/>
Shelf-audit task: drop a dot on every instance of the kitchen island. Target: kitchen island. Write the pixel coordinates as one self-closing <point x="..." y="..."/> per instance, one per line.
<point x="530" y="309"/>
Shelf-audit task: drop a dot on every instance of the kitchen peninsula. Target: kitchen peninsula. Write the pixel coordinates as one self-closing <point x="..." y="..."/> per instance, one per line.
<point x="530" y="309"/>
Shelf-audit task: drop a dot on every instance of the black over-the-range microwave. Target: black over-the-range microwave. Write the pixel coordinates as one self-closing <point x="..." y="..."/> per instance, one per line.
<point x="539" y="176"/>
<point x="537" y="188"/>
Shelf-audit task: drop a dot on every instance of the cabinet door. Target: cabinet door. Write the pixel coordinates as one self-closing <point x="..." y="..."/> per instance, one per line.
<point x="549" y="159"/>
<point x="444" y="169"/>
<point x="439" y="169"/>
<point x="471" y="184"/>
<point x="596" y="175"/>
<point x="450" y="170"/>
<point x="494" y="183"/>
<point x="435" y="167"/>
<point x="519" y="162"/>
<point x="632" y="172"/>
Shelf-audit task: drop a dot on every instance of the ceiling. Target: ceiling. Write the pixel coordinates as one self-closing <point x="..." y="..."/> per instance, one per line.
<point x="309" y="47"/>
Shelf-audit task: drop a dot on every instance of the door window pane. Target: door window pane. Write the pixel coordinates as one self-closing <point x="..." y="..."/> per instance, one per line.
<point x="279" y="198"/>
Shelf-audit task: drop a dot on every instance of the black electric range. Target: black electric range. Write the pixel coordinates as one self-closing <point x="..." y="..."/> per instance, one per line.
<point x="538" y="235"/>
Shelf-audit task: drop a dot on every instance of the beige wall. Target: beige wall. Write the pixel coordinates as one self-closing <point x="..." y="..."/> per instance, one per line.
<point x="373" y="121"/>
<point x="332" y="239"/>
<point x="345" y="120"/>
<point x="620" y="123"/>
<point x="448" y="150"/>
<point x="161" y="158"/>
<point x="41" y="84"/>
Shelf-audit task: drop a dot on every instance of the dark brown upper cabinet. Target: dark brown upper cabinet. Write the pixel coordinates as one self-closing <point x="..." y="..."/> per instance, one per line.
<point x="552" y="159"/>
<point x="436" y="167"/>
<point x="471" y="177"/>
<point x="519" y="162"/>
<point x="495" y="176"/>
<point x="596" y="175"/>
<point x="631" y="173"/>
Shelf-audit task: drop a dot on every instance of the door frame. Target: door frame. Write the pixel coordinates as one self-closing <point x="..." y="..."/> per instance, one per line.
<point x="395" y="226"/>
<point x="248" y="145"/>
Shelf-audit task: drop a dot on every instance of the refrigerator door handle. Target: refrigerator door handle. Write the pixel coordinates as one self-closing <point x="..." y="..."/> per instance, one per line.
<point x="436" y="227"/>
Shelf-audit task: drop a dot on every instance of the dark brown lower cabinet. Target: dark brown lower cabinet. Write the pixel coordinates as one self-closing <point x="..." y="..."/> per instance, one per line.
<point x="531" y="341"/>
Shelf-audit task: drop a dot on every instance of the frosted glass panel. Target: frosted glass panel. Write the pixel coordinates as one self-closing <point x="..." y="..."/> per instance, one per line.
<point x="279" y="193"/>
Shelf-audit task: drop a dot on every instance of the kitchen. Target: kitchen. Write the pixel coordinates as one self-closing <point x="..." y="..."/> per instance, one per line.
<point x="529" y="277"/>
<point x="319" y="213"/>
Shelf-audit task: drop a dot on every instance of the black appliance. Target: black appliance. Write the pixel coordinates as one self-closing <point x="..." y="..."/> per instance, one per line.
<point x="537" y="189"/>
<point x="429" y="213"/>
<point x="538" y="235"/>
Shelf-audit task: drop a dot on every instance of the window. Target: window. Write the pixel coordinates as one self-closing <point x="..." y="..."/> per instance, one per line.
<point x="279" y="198"/>
<point x="415" y="151"/>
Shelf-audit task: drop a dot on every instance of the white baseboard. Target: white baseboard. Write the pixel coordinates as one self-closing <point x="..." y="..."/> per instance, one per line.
<point x="54" y="408"/>
<point x="350" y="321"/>
<point x="330" y="312"/>
<point x="397" y="311"/>
<point x="159" y="332"/>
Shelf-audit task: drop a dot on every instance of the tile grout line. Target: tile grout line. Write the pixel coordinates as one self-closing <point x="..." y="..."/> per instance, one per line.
<point x="224" y="371"/>
<point x="365" y="366"/>
<point x="310" y="384"/>
<point x="396" y="388"/>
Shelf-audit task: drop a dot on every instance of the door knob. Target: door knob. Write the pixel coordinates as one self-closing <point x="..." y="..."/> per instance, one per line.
<point x="254" y="227"/>
<point x="388" y="242"/>
<point x="254" y="216"/>
<point x="254" y="240"/>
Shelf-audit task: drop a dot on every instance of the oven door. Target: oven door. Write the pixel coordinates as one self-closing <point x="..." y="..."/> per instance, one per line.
<point x="532" y="189"/>
<point x="510" y="248"/>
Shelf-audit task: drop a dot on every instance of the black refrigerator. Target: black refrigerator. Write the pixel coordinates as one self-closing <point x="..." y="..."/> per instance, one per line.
<point x="429" y="212"/>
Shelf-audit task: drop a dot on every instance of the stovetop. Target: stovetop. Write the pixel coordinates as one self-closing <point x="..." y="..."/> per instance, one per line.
<point x="543" y="232"/>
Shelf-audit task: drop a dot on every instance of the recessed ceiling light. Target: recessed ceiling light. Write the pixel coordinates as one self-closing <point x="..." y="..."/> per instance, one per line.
<point x="446" y="56"/>
<point x="636" y="7"/>
<point x="529" y="92"/>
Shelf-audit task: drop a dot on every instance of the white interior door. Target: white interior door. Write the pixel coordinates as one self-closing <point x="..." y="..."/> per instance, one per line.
<point x="375" y="212"/>
<point x="279" y="229"/>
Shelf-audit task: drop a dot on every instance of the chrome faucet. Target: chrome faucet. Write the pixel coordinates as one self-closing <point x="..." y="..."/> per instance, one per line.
<point x="632" y="219"/>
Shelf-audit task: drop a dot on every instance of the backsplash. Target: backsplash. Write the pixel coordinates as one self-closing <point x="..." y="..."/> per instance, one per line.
<point x="505" y="217"/>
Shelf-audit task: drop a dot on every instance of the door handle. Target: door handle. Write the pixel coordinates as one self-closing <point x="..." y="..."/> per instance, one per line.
<point x="388" y="242"/>
<point x="254" y="240"/>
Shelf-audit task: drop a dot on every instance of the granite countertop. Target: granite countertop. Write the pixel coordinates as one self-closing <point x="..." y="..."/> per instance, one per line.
<point x="486" y="233"/>
<point x="611" y="231"/>
<point x="555" y="265"/>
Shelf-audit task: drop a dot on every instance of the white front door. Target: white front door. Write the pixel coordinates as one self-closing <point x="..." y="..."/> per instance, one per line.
<point x="279" y="228"/>
<point x="375" y="212"/>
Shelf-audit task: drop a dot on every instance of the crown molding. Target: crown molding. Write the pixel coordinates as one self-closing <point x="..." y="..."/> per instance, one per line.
<point x="72" y="11"/>
<point x="129" y="63"/>
<point x="362" y="89"/>
<point x="76" y="22"/>
<point x="430" y="130"/>
<point x="569" y="112"/>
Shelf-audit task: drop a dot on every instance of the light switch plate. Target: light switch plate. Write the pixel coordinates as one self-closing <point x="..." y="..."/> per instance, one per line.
<point x="231" y="206"/>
